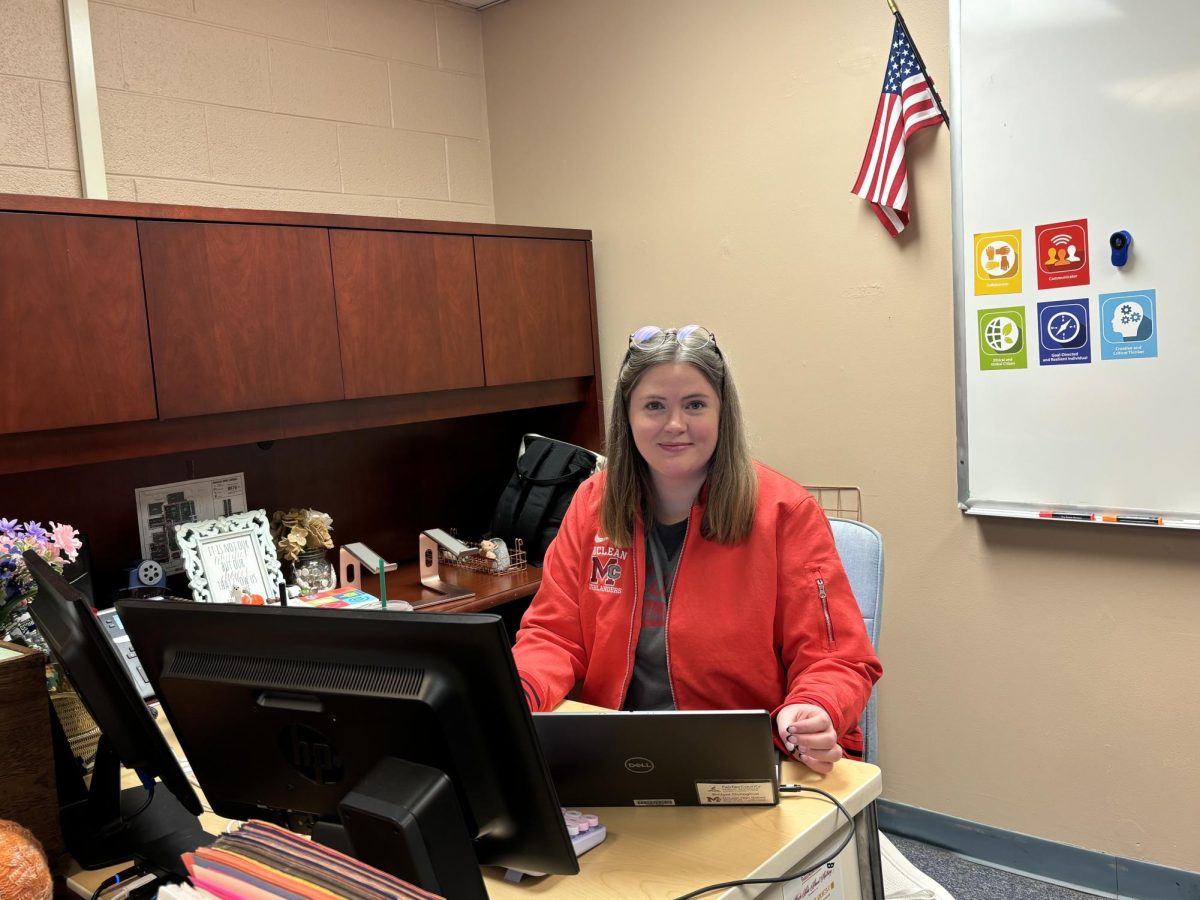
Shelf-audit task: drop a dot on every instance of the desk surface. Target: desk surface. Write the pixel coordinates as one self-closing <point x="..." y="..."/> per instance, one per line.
<point x="490" y="590"/>
<point x="663" y="852"/>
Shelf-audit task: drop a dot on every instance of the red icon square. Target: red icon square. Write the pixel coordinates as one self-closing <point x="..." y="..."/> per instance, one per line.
<point x="1062" y="254"/>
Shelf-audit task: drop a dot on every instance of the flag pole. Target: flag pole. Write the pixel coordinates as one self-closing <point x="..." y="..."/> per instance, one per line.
<point x="920" y="62"/>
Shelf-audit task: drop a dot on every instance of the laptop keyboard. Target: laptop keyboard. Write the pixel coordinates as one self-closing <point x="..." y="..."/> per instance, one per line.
<point x="585" y="831"/>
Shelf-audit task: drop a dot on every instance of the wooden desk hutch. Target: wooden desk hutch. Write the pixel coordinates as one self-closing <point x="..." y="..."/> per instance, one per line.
<point x="381" y="370"/>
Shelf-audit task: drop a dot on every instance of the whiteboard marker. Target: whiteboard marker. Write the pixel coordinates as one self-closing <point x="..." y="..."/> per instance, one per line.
<point x="1051" y="514"/>
<point x="1133" y="520"/>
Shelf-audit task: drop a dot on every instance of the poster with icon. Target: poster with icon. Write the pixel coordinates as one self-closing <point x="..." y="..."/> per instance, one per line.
<point x="1063" y="335"/>
<point x="1002" y="343"/>
<point x="1062" y="254"/>
<point x="1129" y="325"/>
<point x="998" y="263"/>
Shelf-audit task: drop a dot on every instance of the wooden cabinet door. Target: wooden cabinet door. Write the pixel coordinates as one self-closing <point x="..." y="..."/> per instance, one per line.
<point x="75" y="347"/>
<point x="241" y="316"/>
<point x="535" y="309"/>
<point x="408" y="318"/>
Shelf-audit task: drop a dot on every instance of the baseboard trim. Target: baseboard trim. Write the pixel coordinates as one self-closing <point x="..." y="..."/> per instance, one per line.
<point x="1087" y="869"/>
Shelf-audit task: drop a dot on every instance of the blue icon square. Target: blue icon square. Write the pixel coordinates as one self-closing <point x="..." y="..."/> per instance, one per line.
<point x="1129" y="325"/>
<point x="1064" y="335"/>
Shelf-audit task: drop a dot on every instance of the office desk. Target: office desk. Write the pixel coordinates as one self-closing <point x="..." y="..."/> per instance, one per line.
<point x="661" y="853"/>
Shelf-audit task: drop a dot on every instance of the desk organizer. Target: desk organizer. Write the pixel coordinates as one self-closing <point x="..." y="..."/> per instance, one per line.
<point x="517" y="561"/>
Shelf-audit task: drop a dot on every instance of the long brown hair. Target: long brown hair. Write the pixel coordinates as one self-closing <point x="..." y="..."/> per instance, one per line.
<point x="732" y="483"/>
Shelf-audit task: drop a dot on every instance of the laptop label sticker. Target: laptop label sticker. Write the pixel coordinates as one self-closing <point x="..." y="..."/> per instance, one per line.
<point x="735" y="793"/>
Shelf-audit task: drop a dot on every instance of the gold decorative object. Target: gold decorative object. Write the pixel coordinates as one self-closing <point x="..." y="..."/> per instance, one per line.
<point x="298" y="530"/>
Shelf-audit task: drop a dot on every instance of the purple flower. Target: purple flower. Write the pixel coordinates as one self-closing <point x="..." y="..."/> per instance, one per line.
<point x="37" y="532"/>
<point x="8" y="526"/>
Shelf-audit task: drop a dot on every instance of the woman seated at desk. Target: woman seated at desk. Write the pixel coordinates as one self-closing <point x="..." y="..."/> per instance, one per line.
<point x="687" y="576"/>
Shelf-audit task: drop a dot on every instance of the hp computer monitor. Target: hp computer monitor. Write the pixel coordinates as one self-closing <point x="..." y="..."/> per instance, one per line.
<point x="102" y="824"/>
<point x="402" y="738"/>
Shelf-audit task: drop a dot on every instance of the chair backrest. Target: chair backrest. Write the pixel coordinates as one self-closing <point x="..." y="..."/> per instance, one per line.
<point x="861" y="549"/>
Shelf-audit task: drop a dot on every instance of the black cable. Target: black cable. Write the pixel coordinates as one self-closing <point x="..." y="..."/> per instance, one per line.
<point x="105" y="885"/>
<point x="141" y="809"/>
<point x="780" y="879"/>
<point x="122" y="821"/>
<point x="113" y="880"/>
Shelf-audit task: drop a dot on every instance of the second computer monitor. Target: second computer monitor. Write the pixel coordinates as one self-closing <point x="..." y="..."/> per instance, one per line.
<point x="110" y="826"/>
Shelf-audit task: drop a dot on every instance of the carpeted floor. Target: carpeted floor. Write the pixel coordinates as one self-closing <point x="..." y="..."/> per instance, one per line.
<point x="967" y="880"/>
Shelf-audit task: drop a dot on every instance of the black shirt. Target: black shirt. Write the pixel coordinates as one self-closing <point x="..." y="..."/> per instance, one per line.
<point x="650" y="688"/>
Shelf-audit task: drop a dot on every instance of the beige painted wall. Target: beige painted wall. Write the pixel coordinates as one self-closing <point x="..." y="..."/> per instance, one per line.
<point x="1038" y="678"/>
<point x="374" y="107"/>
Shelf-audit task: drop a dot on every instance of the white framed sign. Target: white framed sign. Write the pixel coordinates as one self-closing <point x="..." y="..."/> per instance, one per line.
<point x="230" y="556"/>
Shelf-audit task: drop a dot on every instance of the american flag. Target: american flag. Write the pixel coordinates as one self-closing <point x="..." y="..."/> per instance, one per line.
<point x="905" y="107"/>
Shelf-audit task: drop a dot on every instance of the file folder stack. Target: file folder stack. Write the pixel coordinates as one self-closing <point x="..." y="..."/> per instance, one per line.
<point x="260" y="860"/>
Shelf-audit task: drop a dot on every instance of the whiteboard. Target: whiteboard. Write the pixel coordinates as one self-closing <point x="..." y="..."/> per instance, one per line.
<point x="1065" y="111"/>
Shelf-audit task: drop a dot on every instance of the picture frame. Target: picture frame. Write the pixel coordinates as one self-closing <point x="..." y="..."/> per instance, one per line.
<point x="228" y="554"/>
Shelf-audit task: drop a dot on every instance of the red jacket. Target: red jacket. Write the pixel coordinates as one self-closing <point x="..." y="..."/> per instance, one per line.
<point x="756" y="625"/>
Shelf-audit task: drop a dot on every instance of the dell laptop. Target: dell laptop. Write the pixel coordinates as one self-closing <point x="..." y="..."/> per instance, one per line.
<point x="673" y="758"/>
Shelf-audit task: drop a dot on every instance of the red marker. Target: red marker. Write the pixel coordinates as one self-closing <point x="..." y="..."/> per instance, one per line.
<point x="1082" y="517"/>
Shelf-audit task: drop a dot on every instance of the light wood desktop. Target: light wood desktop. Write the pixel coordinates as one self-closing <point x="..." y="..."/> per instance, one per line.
<point x="663" y="852"/>
<point x="667" y="852"/>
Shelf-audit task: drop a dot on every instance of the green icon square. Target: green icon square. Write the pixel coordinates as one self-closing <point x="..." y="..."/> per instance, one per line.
<point x="1002" y="339"/>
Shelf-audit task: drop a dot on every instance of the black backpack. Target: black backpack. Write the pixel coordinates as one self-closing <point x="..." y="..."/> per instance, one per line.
<point x="537" y="495"/>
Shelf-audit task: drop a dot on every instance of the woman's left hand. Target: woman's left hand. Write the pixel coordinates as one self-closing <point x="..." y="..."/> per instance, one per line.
<point x="807" y="732"/>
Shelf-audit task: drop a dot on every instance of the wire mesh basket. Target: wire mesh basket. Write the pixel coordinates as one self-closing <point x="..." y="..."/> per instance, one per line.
<point x="841" y="501"/>
<point x="83" y="734"/>
<point x="477" y="562"/>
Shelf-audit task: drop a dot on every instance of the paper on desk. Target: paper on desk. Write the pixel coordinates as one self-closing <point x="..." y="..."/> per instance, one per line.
<point x="183" y="892"/>
<point x="161" y="507"/>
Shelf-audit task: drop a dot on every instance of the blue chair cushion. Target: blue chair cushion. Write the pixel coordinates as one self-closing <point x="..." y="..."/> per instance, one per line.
<point x="861" y="549"/>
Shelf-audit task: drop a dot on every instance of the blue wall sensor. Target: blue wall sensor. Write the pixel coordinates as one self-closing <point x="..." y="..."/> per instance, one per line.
<point x="1120" y="242"/>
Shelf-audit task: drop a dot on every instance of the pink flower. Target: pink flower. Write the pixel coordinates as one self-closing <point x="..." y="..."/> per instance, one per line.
<point x="66" y="539"/>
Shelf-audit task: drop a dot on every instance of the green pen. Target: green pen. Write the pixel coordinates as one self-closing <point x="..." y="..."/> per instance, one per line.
<point x="382" y="584"/>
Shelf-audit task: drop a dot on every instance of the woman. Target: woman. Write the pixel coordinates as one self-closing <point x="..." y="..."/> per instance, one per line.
<point x="687" y="576"/>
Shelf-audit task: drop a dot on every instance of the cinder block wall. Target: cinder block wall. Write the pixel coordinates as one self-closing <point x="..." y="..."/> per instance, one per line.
<point x="373" y="107"/>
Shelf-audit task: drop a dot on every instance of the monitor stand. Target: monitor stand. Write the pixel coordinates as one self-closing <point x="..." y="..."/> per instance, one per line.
<point x="404" y="818"/>
<point x="103" y="825"/>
